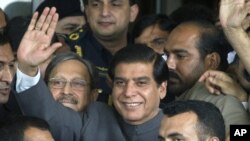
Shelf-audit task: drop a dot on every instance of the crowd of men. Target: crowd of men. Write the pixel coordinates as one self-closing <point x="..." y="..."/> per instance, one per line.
<point x="169" y="79"/>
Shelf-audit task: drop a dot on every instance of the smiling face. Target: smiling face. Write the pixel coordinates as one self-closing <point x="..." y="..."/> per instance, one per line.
<point x="69" y="97"/>
<point x="179" y="127"/>
<point x="110" y="18"/>
<point x="136" y="95"/>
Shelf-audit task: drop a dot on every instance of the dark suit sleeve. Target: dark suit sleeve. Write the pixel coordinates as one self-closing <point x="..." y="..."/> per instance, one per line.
<point x="37" y="101"/>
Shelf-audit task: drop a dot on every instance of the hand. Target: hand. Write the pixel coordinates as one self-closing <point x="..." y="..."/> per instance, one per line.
<point x="35" y="46"/>
<point x="218" y="82"/>
<point x="234" y="12"/>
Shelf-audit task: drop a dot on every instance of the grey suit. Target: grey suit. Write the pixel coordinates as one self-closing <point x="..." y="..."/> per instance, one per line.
<point x="231" y="108"/>
<point x="99" y="122"/>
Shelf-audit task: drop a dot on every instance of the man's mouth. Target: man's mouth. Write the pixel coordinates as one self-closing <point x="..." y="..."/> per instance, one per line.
<point x="132" y="105"/>
<point x="68" y="99"/>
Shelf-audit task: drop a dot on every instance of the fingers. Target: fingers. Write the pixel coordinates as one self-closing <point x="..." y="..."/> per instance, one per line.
<point x="49" y="19"/>
<point x="207" y="74"/>
<point x="46" y="22"/>
<point x="214" y="85"/>
<point x="42" y="19"/>
<point x="33" y="21"/>
<point x="52" y="27"/>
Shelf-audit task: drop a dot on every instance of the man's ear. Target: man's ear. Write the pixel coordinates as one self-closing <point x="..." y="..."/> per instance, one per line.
<point x="163" y="89"/>
<point x="134" y="10"/>
<point x="212" y="61"/>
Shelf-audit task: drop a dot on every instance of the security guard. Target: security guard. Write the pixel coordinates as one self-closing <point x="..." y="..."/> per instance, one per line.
<point x="103" y="35"/>
<point x="84" y="44"/>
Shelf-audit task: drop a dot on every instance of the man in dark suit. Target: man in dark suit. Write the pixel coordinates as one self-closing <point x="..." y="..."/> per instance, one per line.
<point x="139" y="80"/>
<point x="7" y="70"/>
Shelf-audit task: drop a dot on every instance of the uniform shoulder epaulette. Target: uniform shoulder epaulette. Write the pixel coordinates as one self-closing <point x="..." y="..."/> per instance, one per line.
<point x="80" y="33"/>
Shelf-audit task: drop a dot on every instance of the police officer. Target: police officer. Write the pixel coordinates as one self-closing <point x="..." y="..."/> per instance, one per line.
<point x="106" y="32"/>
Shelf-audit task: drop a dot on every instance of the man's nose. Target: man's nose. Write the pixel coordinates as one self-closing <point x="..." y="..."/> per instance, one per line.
<point x="7" y="74"/>
<point x="171" y="62"/>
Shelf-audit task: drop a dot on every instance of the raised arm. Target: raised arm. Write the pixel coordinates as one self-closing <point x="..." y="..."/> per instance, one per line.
<point x="235" y="19"/>
<point x="35" y="46"/>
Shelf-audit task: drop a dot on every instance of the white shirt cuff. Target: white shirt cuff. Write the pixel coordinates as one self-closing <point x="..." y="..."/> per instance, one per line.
<point x="24" y="82"/>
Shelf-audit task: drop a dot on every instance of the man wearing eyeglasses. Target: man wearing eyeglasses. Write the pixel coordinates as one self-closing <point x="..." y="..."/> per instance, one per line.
<point x="72" y="81"/>
<point x="139" y="80"/>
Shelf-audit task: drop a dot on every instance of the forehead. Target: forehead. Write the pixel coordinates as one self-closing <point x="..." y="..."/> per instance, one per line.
<point x="135" y="69"/>
<point x="71" y="67"/>
<point x="6" y="53"/>
<point x="183" y="124"/>
<point x="108" y="0"/>
<point x="184" y="36"/>
<point x="36" y="134"/>
<point x="152" y="32"/>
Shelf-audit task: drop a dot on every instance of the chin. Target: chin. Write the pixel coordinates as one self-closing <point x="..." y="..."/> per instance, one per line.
<point x="4" y="99"/>
<point x="71" y="106"/>
<point x="132" y="118"/>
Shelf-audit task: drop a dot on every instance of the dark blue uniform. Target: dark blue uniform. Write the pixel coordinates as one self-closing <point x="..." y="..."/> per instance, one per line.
<point x="84" y="44"/>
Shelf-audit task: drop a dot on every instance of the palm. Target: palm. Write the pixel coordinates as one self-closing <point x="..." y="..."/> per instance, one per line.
<point x="35" y="46"/>
<point x="232" y="12"/>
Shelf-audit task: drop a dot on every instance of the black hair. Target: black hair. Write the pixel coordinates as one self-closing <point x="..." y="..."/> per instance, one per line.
<point x="162" y="20"/>
<point x="3" y="39"/>
<point x="191" y="12"/>
<point x="212" y="39"/>
<point x="61" y="57"/>
<point x="131" y="2"/>
<point x="15" y="30"/>
<point x="12" y="128"/>
<point x="64" y="8"/>
<point x="140" y="53"/>
<point x="210" y="121"/>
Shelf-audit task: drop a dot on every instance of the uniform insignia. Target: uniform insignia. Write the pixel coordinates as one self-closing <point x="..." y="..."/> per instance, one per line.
<point x="78" y="50"/>
<point x="74" y="36"/>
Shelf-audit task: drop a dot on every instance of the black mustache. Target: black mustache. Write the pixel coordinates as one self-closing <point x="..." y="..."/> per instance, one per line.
<point x="68" y="97"/>
<point x="173" y="75"/>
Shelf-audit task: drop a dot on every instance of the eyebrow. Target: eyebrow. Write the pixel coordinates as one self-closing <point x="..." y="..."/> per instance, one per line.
<point x="158" y="38"/>
<point x="12" y="61"/>
<point x="135" y="79"/>
<point x="95" y="0"/>
<point x="72" y="24"/>
<point x="175" y="134"/>
<point x="179" y="51"/>
<point x="141" y="78"/>
<point x="114" y="0"/>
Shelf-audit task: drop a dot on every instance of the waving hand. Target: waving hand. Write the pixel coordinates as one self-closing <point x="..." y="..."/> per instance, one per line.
<point x="35" y="46"/>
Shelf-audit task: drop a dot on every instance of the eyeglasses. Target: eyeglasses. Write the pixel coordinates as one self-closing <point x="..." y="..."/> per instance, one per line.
<point x="75" y="84"/>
